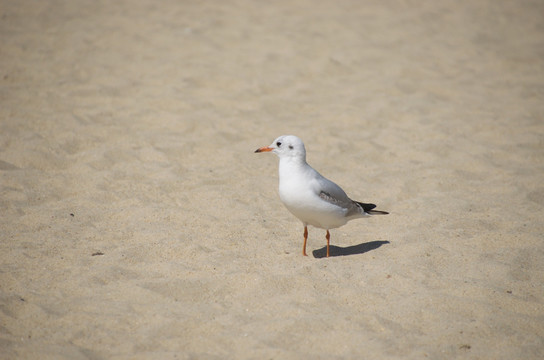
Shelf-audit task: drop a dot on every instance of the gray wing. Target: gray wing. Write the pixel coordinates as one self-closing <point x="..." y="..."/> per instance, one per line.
<point x="333" y="194"/>
<point x="350" y="205"/>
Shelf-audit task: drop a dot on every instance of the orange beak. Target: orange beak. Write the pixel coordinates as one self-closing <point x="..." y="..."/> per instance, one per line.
<point x="264" y="149"/>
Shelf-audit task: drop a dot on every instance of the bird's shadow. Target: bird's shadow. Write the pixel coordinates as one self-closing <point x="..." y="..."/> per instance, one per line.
<point x="350" y="250"/>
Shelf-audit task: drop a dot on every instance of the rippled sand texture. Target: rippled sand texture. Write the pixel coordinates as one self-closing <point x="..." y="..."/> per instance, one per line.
<point x="137" y="223"/>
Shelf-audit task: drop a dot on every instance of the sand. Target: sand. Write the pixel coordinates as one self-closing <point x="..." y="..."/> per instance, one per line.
<point x="137" y="223"/>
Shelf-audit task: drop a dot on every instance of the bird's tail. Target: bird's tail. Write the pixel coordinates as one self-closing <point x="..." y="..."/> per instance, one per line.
<point x="368" y="208"/>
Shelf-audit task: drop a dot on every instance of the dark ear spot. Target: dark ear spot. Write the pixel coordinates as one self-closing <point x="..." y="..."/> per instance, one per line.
<point x="291" y="147"/>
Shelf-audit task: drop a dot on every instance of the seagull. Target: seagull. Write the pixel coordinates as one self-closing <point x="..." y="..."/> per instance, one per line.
<point x="312" y="198"/>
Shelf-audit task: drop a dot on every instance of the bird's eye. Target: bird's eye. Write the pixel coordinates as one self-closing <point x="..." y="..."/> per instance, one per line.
<point x="291" y="147"/>
<point x="278" y="143"/>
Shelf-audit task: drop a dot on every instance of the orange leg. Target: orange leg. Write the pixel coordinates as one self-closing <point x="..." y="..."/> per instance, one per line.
<point x="328" y="236"/>
<point x="305" y="238"/>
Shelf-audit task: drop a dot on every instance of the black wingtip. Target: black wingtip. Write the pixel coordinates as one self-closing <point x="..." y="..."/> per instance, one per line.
<point x="368" y="209"/>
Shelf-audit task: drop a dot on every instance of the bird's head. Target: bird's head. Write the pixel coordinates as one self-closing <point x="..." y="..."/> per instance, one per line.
<point x="286" y="146"/>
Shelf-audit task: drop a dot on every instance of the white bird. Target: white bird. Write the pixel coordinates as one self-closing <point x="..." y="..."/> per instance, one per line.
<point x="312" y="198"/>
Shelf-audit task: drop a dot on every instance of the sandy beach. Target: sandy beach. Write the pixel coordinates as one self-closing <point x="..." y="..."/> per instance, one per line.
<point x="138" y="223"/>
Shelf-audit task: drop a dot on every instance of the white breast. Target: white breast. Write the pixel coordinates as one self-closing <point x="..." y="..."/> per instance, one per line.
<point x="299" y="192"/>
